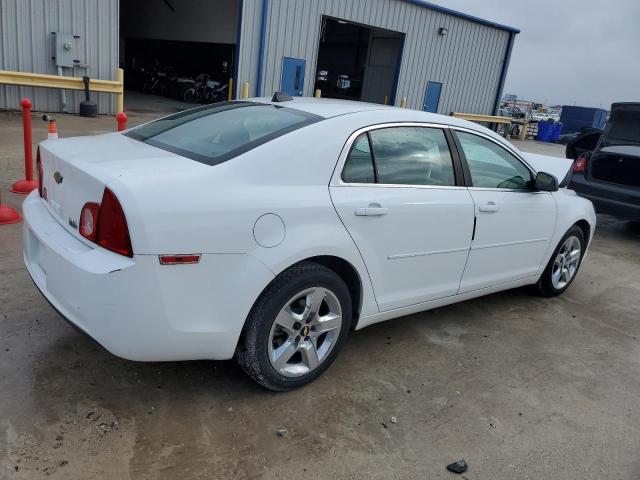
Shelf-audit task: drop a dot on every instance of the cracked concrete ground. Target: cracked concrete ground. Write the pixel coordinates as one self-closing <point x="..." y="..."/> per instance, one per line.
<point x="518" y="385"/>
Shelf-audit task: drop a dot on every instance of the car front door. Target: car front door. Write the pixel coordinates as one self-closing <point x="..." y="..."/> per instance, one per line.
<point x="399" y="192"/>
<point x="514" y="223"/>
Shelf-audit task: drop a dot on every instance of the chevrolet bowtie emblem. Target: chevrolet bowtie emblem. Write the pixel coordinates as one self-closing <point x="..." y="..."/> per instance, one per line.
<point x="57" y="176"/>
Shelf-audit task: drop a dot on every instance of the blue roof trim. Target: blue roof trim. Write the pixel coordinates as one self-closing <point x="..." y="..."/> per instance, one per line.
<point x="503" y="74"/>
<point x="455" y="13"/>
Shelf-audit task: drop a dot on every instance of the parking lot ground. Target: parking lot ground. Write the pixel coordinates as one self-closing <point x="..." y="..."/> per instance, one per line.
<point x="518" y="385"/>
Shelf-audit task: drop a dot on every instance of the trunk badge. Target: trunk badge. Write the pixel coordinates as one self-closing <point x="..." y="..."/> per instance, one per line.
<point x="73" y="223"/>
<point x="57" y="176"/>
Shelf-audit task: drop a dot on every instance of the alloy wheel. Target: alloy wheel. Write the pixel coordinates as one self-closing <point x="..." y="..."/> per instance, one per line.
<point x="305" y="331"/>
<point x="566" y="263"/>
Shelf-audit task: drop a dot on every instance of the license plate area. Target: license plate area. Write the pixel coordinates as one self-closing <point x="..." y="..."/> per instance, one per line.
<point x="36" y="254"/>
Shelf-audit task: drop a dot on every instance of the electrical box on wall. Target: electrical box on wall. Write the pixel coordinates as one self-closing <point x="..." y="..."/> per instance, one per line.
<point x="64" y="49"/>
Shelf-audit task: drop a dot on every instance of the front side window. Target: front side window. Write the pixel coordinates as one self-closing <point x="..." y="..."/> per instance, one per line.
<point x="215" y="133"/>
<point x="492" y="166"/>
<point x="400" y="156"/>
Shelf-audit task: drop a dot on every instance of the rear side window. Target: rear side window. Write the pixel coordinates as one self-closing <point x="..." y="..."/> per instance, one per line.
<point x="400" y="156"/>
<point x="359" y="166"/>
<point x="219" y="132"/>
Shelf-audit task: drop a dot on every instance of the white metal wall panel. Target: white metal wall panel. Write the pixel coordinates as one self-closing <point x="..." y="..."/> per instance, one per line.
<point x="27" y="45"/>
<point x="467" y="61"/>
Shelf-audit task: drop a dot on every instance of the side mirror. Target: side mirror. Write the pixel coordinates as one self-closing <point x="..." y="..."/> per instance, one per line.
<point x="545" y="182"/>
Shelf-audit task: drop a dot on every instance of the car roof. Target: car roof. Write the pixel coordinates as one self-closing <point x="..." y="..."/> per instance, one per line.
<point x="375" y="113"/>
<point x="330" y="107"/>
<point x="323" y="107"/>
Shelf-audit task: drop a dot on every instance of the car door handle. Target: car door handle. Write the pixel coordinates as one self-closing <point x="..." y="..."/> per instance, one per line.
<point x="373" y="210"/>
<point x="489" y="207"/>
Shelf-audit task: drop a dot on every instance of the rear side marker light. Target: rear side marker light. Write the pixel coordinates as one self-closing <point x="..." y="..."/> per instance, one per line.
<point x="580" y="164"/>
<point x="179" y="259"/>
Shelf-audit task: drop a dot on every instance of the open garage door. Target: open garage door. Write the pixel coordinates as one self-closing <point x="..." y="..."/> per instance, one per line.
<point x="177" y="52"/>
<point x="358" y="62"/>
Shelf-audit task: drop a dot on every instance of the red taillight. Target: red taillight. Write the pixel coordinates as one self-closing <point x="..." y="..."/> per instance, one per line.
<point x="580" y="164"/>
<point x="105" y="224"/>
<point x="113" y="232"/>
<point x="39" y="167"/>
<point x="89" y="221"/>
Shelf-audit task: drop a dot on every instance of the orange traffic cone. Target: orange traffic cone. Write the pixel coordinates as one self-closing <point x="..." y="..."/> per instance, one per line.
<point x="53" y="130"/>
<point x="8" y="214"/>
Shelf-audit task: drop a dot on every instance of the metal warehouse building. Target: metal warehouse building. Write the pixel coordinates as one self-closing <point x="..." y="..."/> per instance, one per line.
<point x="379" y="51"/>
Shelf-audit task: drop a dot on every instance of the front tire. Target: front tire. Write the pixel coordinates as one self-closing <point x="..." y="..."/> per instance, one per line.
<point x="296" y="328"/>
<point x="564" y="264"/>
<point x="190" y="96"/>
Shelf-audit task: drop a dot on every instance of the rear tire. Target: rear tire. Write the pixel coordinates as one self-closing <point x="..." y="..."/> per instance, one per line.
<point x="564" y="264"/>
<point x="293" y="333"/>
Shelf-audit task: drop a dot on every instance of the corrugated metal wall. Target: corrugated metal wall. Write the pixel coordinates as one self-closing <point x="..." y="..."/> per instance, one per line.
<point x="249" y="48"/>
<point x="467" y="61"/>
<point x="27" y="45"/>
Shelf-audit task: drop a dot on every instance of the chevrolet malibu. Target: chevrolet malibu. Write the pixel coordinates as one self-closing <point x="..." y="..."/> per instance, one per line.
<point x="265" y="230"/>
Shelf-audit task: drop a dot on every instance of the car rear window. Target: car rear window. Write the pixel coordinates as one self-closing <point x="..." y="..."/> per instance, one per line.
<point x="216" y="133"/>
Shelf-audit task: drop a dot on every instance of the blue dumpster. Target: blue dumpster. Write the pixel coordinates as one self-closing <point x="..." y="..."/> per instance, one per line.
<point x="557" y="129"/>
<point x="545" y="130"/>
<point x="575" y="118"/>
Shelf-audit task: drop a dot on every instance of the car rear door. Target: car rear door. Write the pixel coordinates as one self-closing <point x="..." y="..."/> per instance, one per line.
<point x="398" y="190"/>
<point x="514" y="224"/>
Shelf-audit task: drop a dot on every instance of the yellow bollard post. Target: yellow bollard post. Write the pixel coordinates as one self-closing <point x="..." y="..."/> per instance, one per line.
<point x="318" y="93"/>
<point x="386" y="100"/>
<point x="230" y="94"/>
<point x="403" y="102"/>
<point x="120" y="96"/>
<point x="245" y="90"/>
<point x="523" y="132"/>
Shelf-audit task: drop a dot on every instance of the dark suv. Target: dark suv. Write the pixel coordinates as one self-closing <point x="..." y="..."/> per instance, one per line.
<point x="609" y="175"/>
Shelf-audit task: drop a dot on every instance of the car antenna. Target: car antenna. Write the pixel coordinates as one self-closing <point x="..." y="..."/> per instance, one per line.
<point x="281" y="97"/>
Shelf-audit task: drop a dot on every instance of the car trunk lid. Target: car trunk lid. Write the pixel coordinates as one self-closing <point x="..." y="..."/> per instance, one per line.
<point x="619" y="165"/>
<point x="76" y="170"/>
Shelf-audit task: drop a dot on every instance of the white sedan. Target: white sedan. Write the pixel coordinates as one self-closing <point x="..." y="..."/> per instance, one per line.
<point x="267" y="229"/>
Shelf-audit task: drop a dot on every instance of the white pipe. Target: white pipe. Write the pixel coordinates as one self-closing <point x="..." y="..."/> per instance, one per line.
<point x="63" y="95"/>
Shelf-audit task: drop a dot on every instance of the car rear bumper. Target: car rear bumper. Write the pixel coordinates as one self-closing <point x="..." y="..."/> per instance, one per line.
<point x="134" y="307"/>
<point x="607" y="198"/>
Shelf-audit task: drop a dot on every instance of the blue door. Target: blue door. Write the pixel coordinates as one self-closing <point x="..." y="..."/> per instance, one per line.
<point x="292" y="81"/>
<point x="432" y="97"/>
